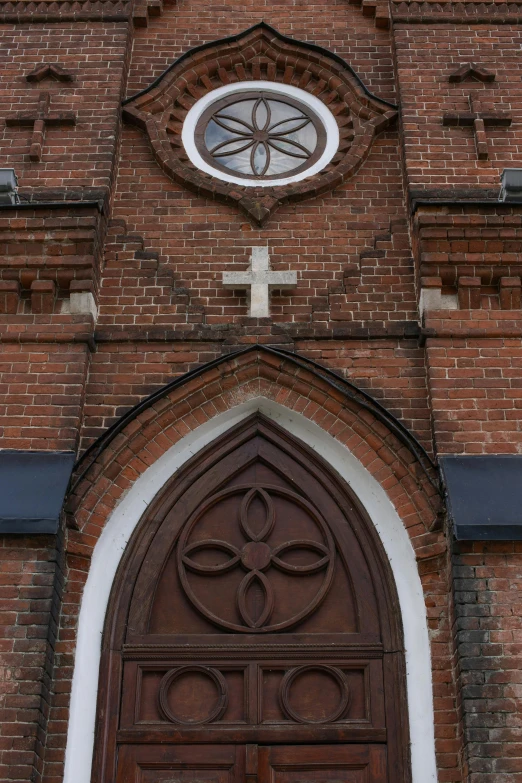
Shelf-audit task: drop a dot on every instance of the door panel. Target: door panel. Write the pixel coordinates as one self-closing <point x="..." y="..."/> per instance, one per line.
<point x="181" y="764"/>
<point x="322" y="764"/>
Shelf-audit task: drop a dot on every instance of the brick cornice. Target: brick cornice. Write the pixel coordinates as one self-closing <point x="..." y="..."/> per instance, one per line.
<point x="57" y="241"/>
<point x="402" y="11"/>
<point x="272" y="334"/>
<point x="447" y="11"/>
<point x="23" y="11"/>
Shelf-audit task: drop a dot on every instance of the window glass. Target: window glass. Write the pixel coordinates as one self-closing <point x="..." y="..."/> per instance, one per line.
<point x="260" y="135"/>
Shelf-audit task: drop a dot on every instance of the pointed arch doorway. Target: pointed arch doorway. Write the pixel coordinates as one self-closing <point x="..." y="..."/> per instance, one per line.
<point x="253" y="632"/>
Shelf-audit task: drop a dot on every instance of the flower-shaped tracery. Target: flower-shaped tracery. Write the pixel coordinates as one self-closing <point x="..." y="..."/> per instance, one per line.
<point x="347" y="118"/>
<point x="256" y="557"/>
<point x="258" y="136"/>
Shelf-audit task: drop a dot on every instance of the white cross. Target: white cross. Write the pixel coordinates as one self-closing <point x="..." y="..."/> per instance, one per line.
<point x="258" y="281"/>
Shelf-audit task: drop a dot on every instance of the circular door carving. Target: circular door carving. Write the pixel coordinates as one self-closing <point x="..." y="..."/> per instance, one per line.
<point x="201" y="698"/>
<point x="314" y="694"/>
<point x="254" y="547"/>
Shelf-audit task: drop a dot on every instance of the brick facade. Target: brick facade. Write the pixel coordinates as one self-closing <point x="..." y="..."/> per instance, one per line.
<point x="409" y="287"/>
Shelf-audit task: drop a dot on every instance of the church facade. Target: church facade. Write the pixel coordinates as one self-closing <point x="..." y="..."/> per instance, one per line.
<point x="261" y="391"/>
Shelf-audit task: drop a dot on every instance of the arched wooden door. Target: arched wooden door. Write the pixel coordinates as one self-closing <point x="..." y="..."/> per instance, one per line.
<point x="254" y="631"/>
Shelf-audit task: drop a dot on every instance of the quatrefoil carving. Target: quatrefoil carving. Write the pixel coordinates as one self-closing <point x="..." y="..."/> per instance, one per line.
<point x="257" y="556"/>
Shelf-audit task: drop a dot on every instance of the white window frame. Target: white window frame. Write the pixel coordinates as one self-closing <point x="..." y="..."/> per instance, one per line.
<point x="279" y="91"/>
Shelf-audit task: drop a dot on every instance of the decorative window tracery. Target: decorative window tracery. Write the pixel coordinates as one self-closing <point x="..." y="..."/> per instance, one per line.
<point x="260" y="134"/>
<point x="262" y="170"/>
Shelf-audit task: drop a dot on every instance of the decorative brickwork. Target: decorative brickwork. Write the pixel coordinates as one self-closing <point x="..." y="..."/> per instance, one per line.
<point x="260" y="53"/>
<point x="49" y="70"/>
<point x="454" y="12"/>
<point x="78" y="159"/>
<point x="38" y="120"/>
<point x="478" y="120"/>
<point x="23" y="11"/>
<point x="402" y="338"/>
<point x="58" y="246"/>
<point x="471" y="71"/>
<point x="363" y="292"/>
<point x="441" y="161"/>
<point x="467" y="244"/>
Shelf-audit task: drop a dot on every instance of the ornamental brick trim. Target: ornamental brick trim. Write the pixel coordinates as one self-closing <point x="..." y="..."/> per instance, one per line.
<point x="23" y="11"/>
<point x="415" y="12"/>
<point x="58" y="246"/>
<point x="485" y="247"/>
<point x="49" y="71"/>
<point x="129" y="263"/>
<point x="411" y="487"/>
<point x="260" y="53"/>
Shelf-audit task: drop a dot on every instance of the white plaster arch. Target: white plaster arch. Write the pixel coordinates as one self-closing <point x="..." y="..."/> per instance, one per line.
<point x="123" y="520"/>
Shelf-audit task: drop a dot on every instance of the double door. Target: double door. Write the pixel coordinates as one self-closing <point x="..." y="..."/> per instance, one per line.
<point x="252" y="764"/>
<point x="254" y="636"/>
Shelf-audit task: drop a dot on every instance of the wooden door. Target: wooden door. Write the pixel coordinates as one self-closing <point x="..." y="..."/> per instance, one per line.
<point x="181" y="764"/>
<point x="254" y="632"/>
<point x="325" y="763"/>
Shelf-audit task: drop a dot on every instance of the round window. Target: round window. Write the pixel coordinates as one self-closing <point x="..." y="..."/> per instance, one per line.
<point x="256" y="134"/>
<point x="260" y="134"/>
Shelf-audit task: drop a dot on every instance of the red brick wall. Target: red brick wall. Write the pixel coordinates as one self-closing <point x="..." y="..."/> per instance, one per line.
<point x="74" y="158"/>
<point x="438" y="157"/>
<point x="163" y="311"/>
<point x="168" y="249"/>
<point x="29" y="593"/>
<point x="41" y="395"/>
<point x="488" y="633"/>
<point x="476" y="389"/>
<point x="333" y="24"/>
<point x="121" y="375"/>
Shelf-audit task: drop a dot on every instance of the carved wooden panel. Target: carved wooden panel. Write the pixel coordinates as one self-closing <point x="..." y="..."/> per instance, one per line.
<point x="180" y="764"/>
<point x="254" y="609"/>
<point x="325" y="763"/>
<point x="264" y="764"/>
<point x="286" y="577"/>
<point x="263" y="694"/>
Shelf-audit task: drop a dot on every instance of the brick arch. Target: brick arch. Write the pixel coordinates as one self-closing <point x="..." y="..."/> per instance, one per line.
<point x="385" y="447"/>
<point x="144" y="449"/>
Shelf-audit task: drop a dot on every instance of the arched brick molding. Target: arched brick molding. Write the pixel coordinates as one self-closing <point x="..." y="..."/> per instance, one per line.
<point x="259" y="53"/>
<point x="175" y="423"/>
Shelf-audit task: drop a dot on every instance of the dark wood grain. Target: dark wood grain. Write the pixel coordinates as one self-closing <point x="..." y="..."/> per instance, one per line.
<point x="254" y="608"/>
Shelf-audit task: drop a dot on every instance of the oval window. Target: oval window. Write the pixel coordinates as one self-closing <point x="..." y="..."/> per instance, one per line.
<point x="259" y="135"/>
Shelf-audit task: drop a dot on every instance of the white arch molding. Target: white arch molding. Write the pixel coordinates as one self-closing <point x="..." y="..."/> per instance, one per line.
<point x="123" y="520"/>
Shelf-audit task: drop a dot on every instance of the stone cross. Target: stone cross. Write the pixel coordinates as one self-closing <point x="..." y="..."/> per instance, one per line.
<point x="479" y="121"/>
<point x="38" y="120"/>
<point x="258" y="281"/>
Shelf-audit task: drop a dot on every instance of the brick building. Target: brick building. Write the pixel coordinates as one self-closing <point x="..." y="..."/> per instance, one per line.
<point x="261" y="391"/>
